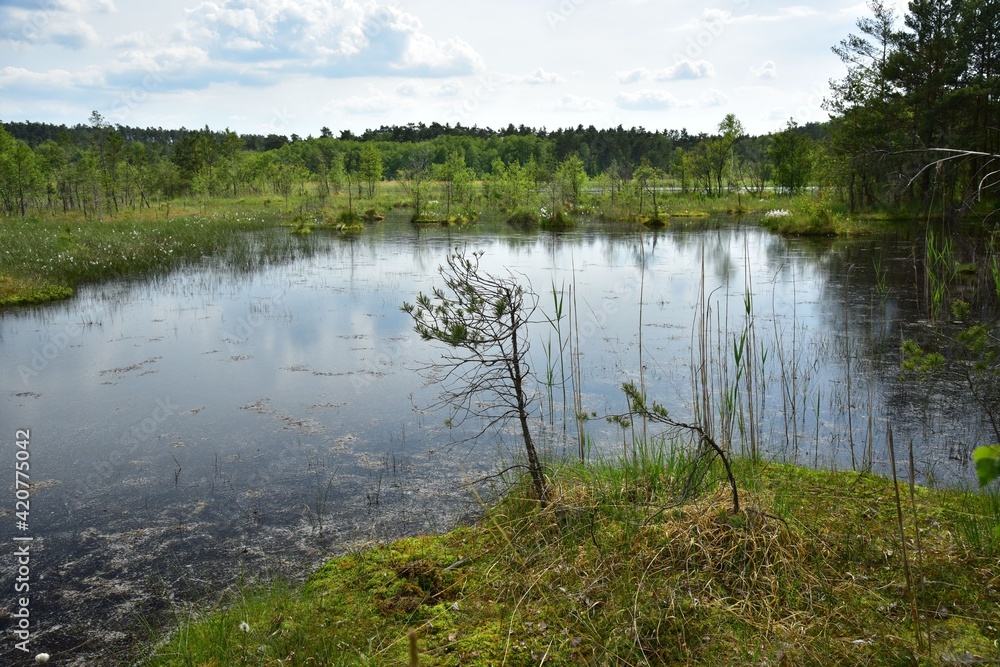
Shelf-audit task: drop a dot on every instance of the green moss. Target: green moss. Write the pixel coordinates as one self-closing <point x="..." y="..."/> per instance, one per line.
<point x="558" y="221"/>
<point x="523" y="219"/>
<point x="16" y="292"/>
<point x="809" y="574"/>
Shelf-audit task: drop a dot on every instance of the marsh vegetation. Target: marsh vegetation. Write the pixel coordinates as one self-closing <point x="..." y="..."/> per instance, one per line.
<point x="751" y="403"/>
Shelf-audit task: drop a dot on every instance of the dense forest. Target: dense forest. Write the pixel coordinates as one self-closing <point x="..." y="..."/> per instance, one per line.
<point x="920" y="91"/>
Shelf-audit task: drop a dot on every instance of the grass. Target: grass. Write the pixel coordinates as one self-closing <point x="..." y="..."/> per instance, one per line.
<point x="47" y="259"/>
<point x="616" y="572"/>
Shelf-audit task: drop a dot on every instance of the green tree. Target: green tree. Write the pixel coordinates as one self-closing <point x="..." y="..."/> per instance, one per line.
<point x="987" y="465"/>
<point x="732" y="131"/>
<point x="370" y="167"/>
<point x="510" y="187"/>
<point x="456" y="179"/>
<point x="979" y="32"/>
<point x="700" y="162"/>
<point x="679" y="168"/>
<point x="756" y="168"/>
<point x="649" y="179"/>
<point x="570" y="178"/>
<point x="414" y="180"/>
<point x="20" y="176"/>
<point x="927" y="65"/>
<point x="54" y="164"/>
<point x="791" y="153"/>
<point x="195" y="156"/>
<point x="231" y="148"/>
<point x="483" y="319"/>
<point x="867" y="123"/>
<point x="284" y="174"/>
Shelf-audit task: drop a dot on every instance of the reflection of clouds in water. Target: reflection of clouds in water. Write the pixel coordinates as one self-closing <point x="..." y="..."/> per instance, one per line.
<point x="322" y="362"/>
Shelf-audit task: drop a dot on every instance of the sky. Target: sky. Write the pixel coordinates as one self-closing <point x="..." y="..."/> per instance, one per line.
<point x="296" y="66"/>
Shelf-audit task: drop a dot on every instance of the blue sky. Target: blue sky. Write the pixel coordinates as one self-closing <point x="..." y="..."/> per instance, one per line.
<point x="294" y="66"/>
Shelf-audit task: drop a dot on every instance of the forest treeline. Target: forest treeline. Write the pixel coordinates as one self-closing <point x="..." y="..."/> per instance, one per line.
<point x="915" y="85"/>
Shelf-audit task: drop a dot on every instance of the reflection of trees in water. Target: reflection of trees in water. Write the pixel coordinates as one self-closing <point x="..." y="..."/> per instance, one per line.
<point x="832" y="332"/>
<point x="868" y="324"/>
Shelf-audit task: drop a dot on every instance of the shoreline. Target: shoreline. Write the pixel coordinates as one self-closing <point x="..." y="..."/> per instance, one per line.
<point x="612" y="573"/>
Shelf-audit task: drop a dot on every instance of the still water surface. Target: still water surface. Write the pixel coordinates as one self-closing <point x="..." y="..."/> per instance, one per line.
<point x="210" y="425"/>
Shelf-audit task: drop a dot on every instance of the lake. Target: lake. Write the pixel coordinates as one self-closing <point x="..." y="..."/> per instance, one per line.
<point x="211" y="426"/>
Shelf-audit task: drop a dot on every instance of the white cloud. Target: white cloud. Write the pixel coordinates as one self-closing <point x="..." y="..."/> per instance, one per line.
<point x="777" y="114"/>
<point x="766" y="71"/>
<point x="713" y="20"/>
<point x="221" y="60"/>
<point x="421" y="89"/>
<point x="574" y="103"/>
<point x="375" y="102"/>
<point x="447" y="89"/>
<point x="40" y="28"/>
<point x="541" y="77"/>
<point x="646" y="100"/>
<point x="61" y="22"/>
<point x="59" y="81"/>
<point x="175" y="67"/>
<point x="77" y="6"/>
<point x="426" y="57"/>
<point x="133" y="40"/>
<point x="713" y="98"/>
<point x="408" y="89"/>
<point x="633" y="76"/>
<point x="329" y="38"/>
<point x="686" y="69"/>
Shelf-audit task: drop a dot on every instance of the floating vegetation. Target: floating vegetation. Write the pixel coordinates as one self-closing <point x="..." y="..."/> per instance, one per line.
<point x="557" y="221"/>
<point x="524" y="219"/>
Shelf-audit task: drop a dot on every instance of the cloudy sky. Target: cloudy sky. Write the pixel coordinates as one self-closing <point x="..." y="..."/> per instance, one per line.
<point x="294" y="66"/>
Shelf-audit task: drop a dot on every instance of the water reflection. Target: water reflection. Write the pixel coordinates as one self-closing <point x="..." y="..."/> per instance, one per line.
<point x="213" y="421"/>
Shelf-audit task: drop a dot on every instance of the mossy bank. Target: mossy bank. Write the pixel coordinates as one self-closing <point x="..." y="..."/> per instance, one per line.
<point x="616" y="571"/>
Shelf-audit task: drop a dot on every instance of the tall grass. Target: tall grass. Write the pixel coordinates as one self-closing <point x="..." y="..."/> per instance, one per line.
<point x="44" y="252"/>
<point x="555" y="355"/>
